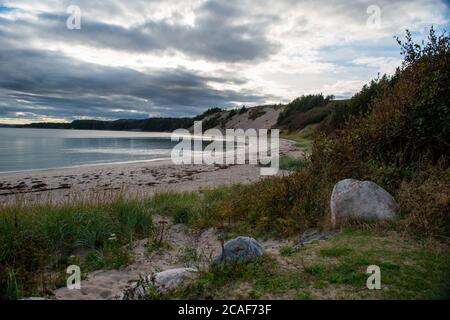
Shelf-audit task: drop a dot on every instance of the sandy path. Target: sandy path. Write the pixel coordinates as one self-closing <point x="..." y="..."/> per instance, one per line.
<point x="111" y="284"/>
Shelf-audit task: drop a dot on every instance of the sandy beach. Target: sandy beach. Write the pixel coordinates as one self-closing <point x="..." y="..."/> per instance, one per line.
<point x="140" y="179"/>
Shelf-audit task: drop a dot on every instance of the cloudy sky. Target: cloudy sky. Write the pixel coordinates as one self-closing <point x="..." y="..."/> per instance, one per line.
<point x="146" y="58"/>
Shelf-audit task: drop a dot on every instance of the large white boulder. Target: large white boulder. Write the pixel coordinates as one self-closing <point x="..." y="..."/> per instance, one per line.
<point x="363" y="200"/>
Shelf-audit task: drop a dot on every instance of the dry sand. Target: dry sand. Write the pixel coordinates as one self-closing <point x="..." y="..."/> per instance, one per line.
<point x="111" y="284"/>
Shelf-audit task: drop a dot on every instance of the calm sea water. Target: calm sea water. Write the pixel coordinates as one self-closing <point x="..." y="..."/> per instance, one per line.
<point x="32" y="149"/>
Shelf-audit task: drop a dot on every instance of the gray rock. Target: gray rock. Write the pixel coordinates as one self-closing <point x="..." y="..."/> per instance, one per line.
<point x="240" y="249"/>
<point x="361" y="200"/>
<point x="161" y="282"/>
<point x="172" y="279"/>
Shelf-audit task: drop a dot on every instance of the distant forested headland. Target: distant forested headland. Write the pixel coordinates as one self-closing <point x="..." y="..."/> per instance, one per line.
<point x="152" y="124"/>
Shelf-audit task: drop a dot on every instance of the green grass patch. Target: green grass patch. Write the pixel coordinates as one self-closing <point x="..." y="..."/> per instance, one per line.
<point x="40" y="239"/>
<point x="335" y="252"/>
<point x="249" y="281"/>
<point x="315" y="270"/>
<point x="111" y="256"/>
<point x="409" y="270"/>
<point x="287" y="251"/>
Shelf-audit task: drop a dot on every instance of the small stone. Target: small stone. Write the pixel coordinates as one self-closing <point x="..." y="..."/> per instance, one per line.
<point x="240" y="249"/>
<point x="172" y="279"/>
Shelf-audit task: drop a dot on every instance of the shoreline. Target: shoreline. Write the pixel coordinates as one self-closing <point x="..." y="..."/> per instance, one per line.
<point x="92" y="165"/>
<point x="140" y="179"/>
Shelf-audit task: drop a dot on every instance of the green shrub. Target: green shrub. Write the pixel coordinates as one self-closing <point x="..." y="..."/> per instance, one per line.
<point x="304" y="111"/>
<point x="404" y="132"/>
<point x="243" y="110"/>
<point x="409" y="120"/>
<point x="303" y="104"/>
<point x="425" y="202"/>
<point x="231" y="114"/>
<point x="212" y="122"/>
<point x="207" y="113"/>
<point x="293" y="164"/>
<point x="278" y="206"/>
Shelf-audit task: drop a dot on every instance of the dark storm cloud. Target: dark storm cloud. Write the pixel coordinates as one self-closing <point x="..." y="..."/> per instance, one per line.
<point x="41" y="83"/>
<point x="219" y="34"/>
<point x="47" y="84"/>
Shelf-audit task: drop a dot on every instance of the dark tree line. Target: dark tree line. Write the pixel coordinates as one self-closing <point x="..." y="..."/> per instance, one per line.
<point x="152" y="124"/>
